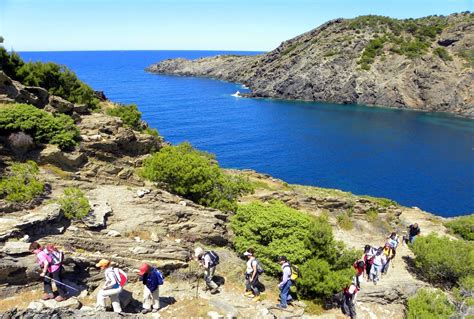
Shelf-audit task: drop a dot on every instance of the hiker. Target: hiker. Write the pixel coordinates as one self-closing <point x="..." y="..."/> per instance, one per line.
<point x="369" y="254"/>
<point x="252" y="272"/>
<point x="376" y="266"/>
<point x="209" y="261"/>
<point x="152" y="278"/>
<point x="359" y="266"/>
<point x="413" y="231"/>
<point x="348" y="302"/>
<point x="50" y="270"/>
<point x="112" y="287"/>
<point x="389" y="254"/>
<point x="285" y="283"/>
<point x="393" y="241"/>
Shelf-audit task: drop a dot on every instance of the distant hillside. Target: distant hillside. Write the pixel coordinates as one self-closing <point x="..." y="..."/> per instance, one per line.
<point x="424" y="64"/>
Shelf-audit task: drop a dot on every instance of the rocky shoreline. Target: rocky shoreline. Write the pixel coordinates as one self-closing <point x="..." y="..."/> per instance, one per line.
<point x="324" y="65"/>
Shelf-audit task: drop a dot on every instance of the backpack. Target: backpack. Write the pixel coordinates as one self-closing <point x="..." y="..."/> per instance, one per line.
<point x="295" y="272"/>
<point x="120" y="276"/>
<point x="214" y="258"/>
<point x="160" y="276"/>
<point x="57" y="257"/>
<point x="260" y="269"/>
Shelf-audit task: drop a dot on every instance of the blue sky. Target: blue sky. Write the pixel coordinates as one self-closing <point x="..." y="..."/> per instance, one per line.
<point x="253" y="25"/>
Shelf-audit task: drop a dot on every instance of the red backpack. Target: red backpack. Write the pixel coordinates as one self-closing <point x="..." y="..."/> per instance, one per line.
<point x="120" y="276"/>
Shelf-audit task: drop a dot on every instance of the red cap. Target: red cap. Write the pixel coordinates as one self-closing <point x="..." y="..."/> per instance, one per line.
<point x="143" y="269"/>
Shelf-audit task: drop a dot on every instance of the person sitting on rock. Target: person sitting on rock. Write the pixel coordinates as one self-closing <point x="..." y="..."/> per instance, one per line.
<point x="49" y="271"/>
<point x="112" y="287"/>
<point x="349" y="297"/>
<point x="285" y="283"/>
<point x="413" y="231"/>
<point x="152" y="279"/>
<point x="206" y="260"/>
<point x="251" y="276"/>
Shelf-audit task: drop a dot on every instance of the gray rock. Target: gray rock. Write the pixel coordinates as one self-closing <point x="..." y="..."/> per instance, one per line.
<point x="53" y="155"/>
<point x="98" y="215"/>
<point x="16" y="248"/>
<point x="13" y="91"/>
<point x="60" y="105"/>
<point x="113" y="233"/>
<point x="139" y="250"/>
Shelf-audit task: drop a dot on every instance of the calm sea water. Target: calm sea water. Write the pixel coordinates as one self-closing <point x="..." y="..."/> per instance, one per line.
<point x="417" y="159"/>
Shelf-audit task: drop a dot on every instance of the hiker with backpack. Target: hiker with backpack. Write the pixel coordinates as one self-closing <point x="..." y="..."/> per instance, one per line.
<point x="348" y="301"/>
<point x="377" y="266"/>
<point x="359" y="266"/>
<point x="209" y="260"/>
<point x="152" y="279"/>
<point x="389" y="254"/>
<point x="115" y="279"/>
<point x="413" y="231"/>
<point x="393" y="241"/>
<point x="50" y="261"/>
<point x="252" y="272"/>
<point x="285" y="283"/>
<point x="369" y="254"/>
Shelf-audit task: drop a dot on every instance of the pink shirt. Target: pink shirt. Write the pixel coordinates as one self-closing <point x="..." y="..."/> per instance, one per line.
<point x="41" y="256"/>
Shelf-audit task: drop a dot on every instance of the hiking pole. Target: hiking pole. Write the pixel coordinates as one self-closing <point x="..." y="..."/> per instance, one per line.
<point x="61" y="283"/>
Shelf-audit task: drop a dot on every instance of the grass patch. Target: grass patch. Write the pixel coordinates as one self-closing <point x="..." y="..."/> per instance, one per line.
<point x="313" y="307"/>
<point x="21" y="183"/>
<point x="344" y="221"/>
<point x="372" y="215"/>
<point x="384" y="202"/>
<point x="462" y="226"/>
<point x="443" y="54"/>
<point x="57" y="171"/>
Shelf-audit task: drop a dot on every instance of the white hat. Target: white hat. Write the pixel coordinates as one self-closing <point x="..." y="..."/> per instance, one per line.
<point x="198" y="251"/>
<point x="247" y="254"/>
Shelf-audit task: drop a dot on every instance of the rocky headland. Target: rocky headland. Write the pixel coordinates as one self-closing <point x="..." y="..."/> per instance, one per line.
<point x="422" y="64"/>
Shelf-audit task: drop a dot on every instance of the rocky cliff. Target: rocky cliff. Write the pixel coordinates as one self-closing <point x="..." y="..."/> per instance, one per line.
<point x="424" y="64"/>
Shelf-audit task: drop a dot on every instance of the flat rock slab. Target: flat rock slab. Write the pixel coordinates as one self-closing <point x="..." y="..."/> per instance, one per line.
<point x="16" y="248"/>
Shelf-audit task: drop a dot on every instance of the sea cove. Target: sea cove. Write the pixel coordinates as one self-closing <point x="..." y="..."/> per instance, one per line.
<point x="418" y="159"/>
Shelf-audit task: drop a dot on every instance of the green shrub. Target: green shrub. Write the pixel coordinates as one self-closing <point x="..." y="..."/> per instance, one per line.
<point x="443" y="260"/>
<point x="384" y="202"/>
<point x="195" y="175"/>
<point x="274" y="229"/>
<point x="41" y="125"/>
<point x="129" y="115"/>
<point x="372" y="215"/>
<point x="443" y="54"/>
<point x="344" y="221"/>
<point x="152" y="131"/>
<point x="74" y="204"/>
<point x="429" y="305"/>
<point x="57" y="79"/>
<point x="463" y="226"/>
<point x="21" y="183"/>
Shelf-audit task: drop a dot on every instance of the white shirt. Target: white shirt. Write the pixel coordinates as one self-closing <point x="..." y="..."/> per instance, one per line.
<point x="250" y="263"/>
<point x="207" y="260"/>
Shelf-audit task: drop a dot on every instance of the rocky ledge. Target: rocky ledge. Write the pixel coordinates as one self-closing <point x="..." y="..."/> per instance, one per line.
<point x="326" y="64"/>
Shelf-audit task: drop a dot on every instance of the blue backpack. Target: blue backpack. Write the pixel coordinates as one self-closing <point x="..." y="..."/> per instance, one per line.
<point x="160" y="276"/>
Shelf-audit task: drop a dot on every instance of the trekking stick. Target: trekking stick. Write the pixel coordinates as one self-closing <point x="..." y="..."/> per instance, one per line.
<point x="197" y="287"/>
<point x="58" y="282"/>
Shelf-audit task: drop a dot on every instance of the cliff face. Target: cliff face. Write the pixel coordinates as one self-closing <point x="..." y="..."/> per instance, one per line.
<point x="424" y="64"/>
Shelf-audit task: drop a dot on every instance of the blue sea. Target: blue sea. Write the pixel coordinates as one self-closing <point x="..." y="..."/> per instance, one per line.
<point x="417" y="159"/>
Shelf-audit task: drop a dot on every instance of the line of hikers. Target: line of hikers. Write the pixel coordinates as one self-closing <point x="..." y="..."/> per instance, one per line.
<point x="374" y="263"/>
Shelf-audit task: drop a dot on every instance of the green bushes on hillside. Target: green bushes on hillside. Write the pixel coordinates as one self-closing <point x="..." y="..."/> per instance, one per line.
<point x="41" y="125"/>
<point x="195" y="175"/>
<point x="463" y="226"/>
<point x="429" y="305"/>
<point x="73" y="203"/>
<point x="442" y="260"/>
<point x="274" y="229"/>
<point x="443" y="54"/>
<point x="129" y="115"/>
<point x="57" y="79"/>
<point x="21" y="183"/>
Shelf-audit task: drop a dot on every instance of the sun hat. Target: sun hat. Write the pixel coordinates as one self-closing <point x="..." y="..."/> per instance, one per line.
<point x="103" y="263"/>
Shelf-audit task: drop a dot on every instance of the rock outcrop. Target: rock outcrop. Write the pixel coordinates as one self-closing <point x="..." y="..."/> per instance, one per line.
<point x="325" y="65"/>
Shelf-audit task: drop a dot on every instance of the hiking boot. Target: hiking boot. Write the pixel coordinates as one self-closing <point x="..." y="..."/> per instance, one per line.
<point x="281" y="306"/>
<point x="248" y="294"/>
<point x="214" y="291"/>
<point x="59" y="298"/>
<point x="47" y="296"/>
<point x="145" y="311"/>
<point x="155" y="310"/>
<point x="256" y="298"/>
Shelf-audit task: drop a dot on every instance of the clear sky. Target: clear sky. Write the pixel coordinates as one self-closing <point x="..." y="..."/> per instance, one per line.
<point x="252" y="25"/>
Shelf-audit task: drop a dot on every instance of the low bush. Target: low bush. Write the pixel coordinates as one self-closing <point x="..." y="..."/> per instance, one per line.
<point x="344" y="221"/>
<point x="129" y="115"/>
<point x="463" y="226"/>
<point x="443" y="54"/>
<point x="442" y="260"/>
<point x="74" y="204"/>
<point x="21" y="183"/>
<point x="41" y="125"/>
<point x="274" y="229"/>
<point x="57" y="79"/>
<point x="429" y="305"/>
<point x="195" y="175"/>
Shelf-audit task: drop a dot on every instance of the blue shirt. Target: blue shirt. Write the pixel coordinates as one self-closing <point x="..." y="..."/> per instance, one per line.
<point x="151" y="279"/>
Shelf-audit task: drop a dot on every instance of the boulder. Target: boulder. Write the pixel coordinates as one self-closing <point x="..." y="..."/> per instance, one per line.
<point x="16" y="248"/>
<point x="71" y="303"/>
<point x="59" y="105"/>
<point x="113" y="233"/>
<point x="65" y="160"/>
<point x="97" y="218"/>
<point x="13" y="91"/>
